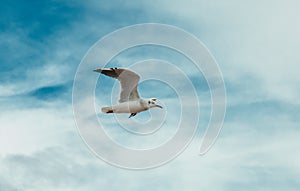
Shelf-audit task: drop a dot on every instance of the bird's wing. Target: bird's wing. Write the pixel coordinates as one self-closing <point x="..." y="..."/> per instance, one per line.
<point x="128" y="80"/>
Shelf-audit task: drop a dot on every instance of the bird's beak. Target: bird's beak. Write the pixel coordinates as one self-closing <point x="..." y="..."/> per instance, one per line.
<point x="156" y="105"/>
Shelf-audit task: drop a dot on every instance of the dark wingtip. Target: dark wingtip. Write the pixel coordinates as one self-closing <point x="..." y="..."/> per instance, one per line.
<point x="111" y="72"/>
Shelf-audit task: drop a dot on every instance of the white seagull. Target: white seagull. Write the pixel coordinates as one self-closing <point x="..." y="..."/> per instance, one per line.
<point x="130" y="101"/>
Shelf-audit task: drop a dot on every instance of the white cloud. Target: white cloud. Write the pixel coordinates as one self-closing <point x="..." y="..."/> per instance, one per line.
<point x="234" y="161"/>
<point x="26" y="131"/>
<point x="247" y="38"/>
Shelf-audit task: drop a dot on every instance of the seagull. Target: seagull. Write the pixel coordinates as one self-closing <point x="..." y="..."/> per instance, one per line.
<point x="130" y="101"/>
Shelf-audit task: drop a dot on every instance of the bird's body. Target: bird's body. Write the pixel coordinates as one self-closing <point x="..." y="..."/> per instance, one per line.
<point x="130" y="101"/>
<point x="127" y="107"/>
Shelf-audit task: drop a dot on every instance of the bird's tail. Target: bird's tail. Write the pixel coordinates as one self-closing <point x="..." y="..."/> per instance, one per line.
<point x="107" y="110"/>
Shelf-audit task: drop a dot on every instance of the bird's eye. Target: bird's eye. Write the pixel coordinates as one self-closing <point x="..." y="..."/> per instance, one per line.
<point x="148" y="102"/>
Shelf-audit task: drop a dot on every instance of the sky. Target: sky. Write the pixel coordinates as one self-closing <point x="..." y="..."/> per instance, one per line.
<point x="256" y="44"/>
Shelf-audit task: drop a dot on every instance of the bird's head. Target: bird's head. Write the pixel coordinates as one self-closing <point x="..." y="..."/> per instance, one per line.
<point x="152" y="103"/>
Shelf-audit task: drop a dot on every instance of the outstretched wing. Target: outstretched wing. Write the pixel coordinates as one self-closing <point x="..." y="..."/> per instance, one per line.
<point x="128" y="80"/>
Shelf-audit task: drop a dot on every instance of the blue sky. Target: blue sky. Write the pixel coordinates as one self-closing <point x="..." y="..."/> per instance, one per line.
<point x="256" y="44"/>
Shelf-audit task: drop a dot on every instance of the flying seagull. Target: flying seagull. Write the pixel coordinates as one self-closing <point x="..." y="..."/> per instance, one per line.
<point x="130" y="101"/>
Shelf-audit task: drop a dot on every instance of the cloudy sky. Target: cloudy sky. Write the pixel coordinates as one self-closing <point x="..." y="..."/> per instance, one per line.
<point x="256" y="44"/>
